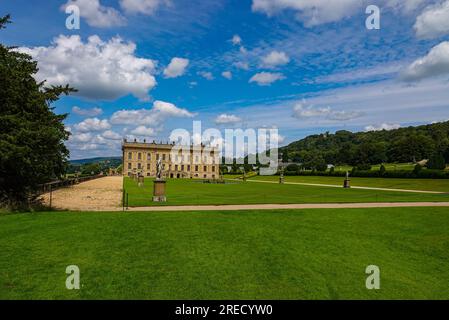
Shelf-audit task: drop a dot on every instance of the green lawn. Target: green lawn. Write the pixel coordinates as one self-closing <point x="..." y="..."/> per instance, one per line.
<point x="411" y="184"/>
<point x="188" y="192"/>
<point x="308" y="254"/>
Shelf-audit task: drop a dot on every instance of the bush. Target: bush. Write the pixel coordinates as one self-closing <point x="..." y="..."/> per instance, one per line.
<point x="417" y="169"/>
<point x="363" y="166"/>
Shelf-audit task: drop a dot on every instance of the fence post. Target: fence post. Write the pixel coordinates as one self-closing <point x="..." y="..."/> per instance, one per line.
<point x="127" y="201"/>
<point x="51" y="196"/>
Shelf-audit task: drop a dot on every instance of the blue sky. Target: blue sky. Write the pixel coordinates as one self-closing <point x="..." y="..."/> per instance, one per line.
<point x="146" y="67"/>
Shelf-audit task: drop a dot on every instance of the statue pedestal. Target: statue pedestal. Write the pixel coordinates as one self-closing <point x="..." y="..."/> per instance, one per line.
<point x="347" y="184"/>
<point x="159" y="191"/>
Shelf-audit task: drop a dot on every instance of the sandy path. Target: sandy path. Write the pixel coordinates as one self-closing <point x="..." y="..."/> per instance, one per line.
<point x="352" y="187"/>
<point x="102" y="194"/>
<point x="291" y="206"/>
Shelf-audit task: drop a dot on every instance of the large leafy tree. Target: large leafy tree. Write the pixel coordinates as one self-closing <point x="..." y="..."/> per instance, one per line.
<point x="32" y="136"/>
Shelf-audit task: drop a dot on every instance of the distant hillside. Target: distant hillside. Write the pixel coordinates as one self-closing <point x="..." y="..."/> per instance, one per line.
<point x="375" y="147"/>
<point x="97" y="160"/>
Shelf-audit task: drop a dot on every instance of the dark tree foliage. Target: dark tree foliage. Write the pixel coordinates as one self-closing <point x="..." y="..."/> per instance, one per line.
<point x="32" y="136"/>
<point x="371" y="148"/>
<point x="436" y="162"/>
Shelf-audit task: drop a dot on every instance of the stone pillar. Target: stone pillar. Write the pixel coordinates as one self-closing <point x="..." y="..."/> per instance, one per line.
<point x="159" y="191"/>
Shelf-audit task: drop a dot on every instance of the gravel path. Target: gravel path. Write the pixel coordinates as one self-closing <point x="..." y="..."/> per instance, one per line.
<point x="290" y="206"/>
<point x="352" y="187"/>
<point x="103" y="194"/>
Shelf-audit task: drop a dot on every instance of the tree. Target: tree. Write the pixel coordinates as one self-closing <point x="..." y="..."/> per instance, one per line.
<point x="436" y="162"/>
<point x="32" y="136"/>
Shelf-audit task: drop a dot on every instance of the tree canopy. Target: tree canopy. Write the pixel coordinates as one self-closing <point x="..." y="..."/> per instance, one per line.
<point x="32" y="136"/>
<point x="369" y="148"/>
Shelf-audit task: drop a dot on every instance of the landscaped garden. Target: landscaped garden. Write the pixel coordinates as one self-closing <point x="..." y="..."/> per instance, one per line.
<point x="196" y="192"/>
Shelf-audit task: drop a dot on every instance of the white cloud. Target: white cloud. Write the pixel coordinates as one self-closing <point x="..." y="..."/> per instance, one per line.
<point x="435" y="63"/>
<point x="150" y="117"/>
<point x="143" y="131"/>
<point x="310" y="12"/>
<point x="433" y="22"/>
<point x="227" y="75"/>
<point x="176" y="68"/>
<point x="92" y="124"/>
<point x="227" y="119"/>
<point x="98" y="69"/>
<point x="301" y="112"/>
<point x="266" y="78"/>
<point x="274" y="59"/>
<point x="111" y="135"/>
<point x="147" y="7"/>
<point x="97" y="15"/>
<point x="236" y="40"/>
<point x="383" y="126"/>
<point x="206" y="75"/>
<point x="80" y="137"/>
<point x="87" y="112"/>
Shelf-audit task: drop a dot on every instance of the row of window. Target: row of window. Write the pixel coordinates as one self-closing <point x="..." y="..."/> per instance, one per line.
<point x="196" y="175"/>
<point x="164" y="157"/>
<point x="139" y="167"/>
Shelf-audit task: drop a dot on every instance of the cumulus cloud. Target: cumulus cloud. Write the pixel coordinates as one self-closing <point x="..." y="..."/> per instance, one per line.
<point x="383" y="126"/>
<point x="433" y="22"/>
<point x="227" y="119"/>
<point x="87" y="112"/>
<point x="143" y="131"/>
<point x="310" y="12"/>
<point x="97" y="15"/>
<point x="150" y="117"/>
<point x="266" y="78"/>
<point x="275" y="59"/>
<point x="111" y="135"/>
<point x="227" y="75"/>
<point x="435" y="63"/>
<point x="147" y="7"/>
<point x="98" y="69"/>
<point x="176" y="68"/>
<point x="300" y="111"/>
<point x="206" y="75"/>
<point x="92" y="124"/>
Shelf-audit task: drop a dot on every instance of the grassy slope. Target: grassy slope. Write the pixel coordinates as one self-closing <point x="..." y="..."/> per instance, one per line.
<point x="184" y="192"/>
<point x="309" y="254"/>
<point x="412" y="184"/>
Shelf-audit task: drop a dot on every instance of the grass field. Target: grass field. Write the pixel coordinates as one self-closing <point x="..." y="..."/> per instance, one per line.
<point x="195" y="192"/>
<point x="441" y="185"/>
<point x="308" y="254"/>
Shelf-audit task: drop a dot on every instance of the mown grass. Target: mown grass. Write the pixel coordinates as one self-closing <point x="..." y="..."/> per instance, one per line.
<point x="195" y="192"/>
<point x="295" y="254"/>
<point x="441" y="185"/>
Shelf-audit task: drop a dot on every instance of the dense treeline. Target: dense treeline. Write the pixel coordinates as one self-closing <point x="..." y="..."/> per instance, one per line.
<point x="410" y="144"/>
<point x="32" y="136"/>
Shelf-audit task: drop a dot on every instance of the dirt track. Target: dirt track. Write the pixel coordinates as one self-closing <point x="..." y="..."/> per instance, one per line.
<point x="102" y="194"/>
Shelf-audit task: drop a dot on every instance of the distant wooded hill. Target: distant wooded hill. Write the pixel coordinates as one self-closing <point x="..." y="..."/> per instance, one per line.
<point x="400" y="145"/>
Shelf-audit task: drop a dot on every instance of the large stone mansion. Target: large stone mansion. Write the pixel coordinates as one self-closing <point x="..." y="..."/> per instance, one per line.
<point x="140" y="159"/>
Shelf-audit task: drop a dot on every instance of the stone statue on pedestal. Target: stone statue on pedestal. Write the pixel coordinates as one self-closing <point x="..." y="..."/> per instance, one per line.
<point x="159" y="184"/>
